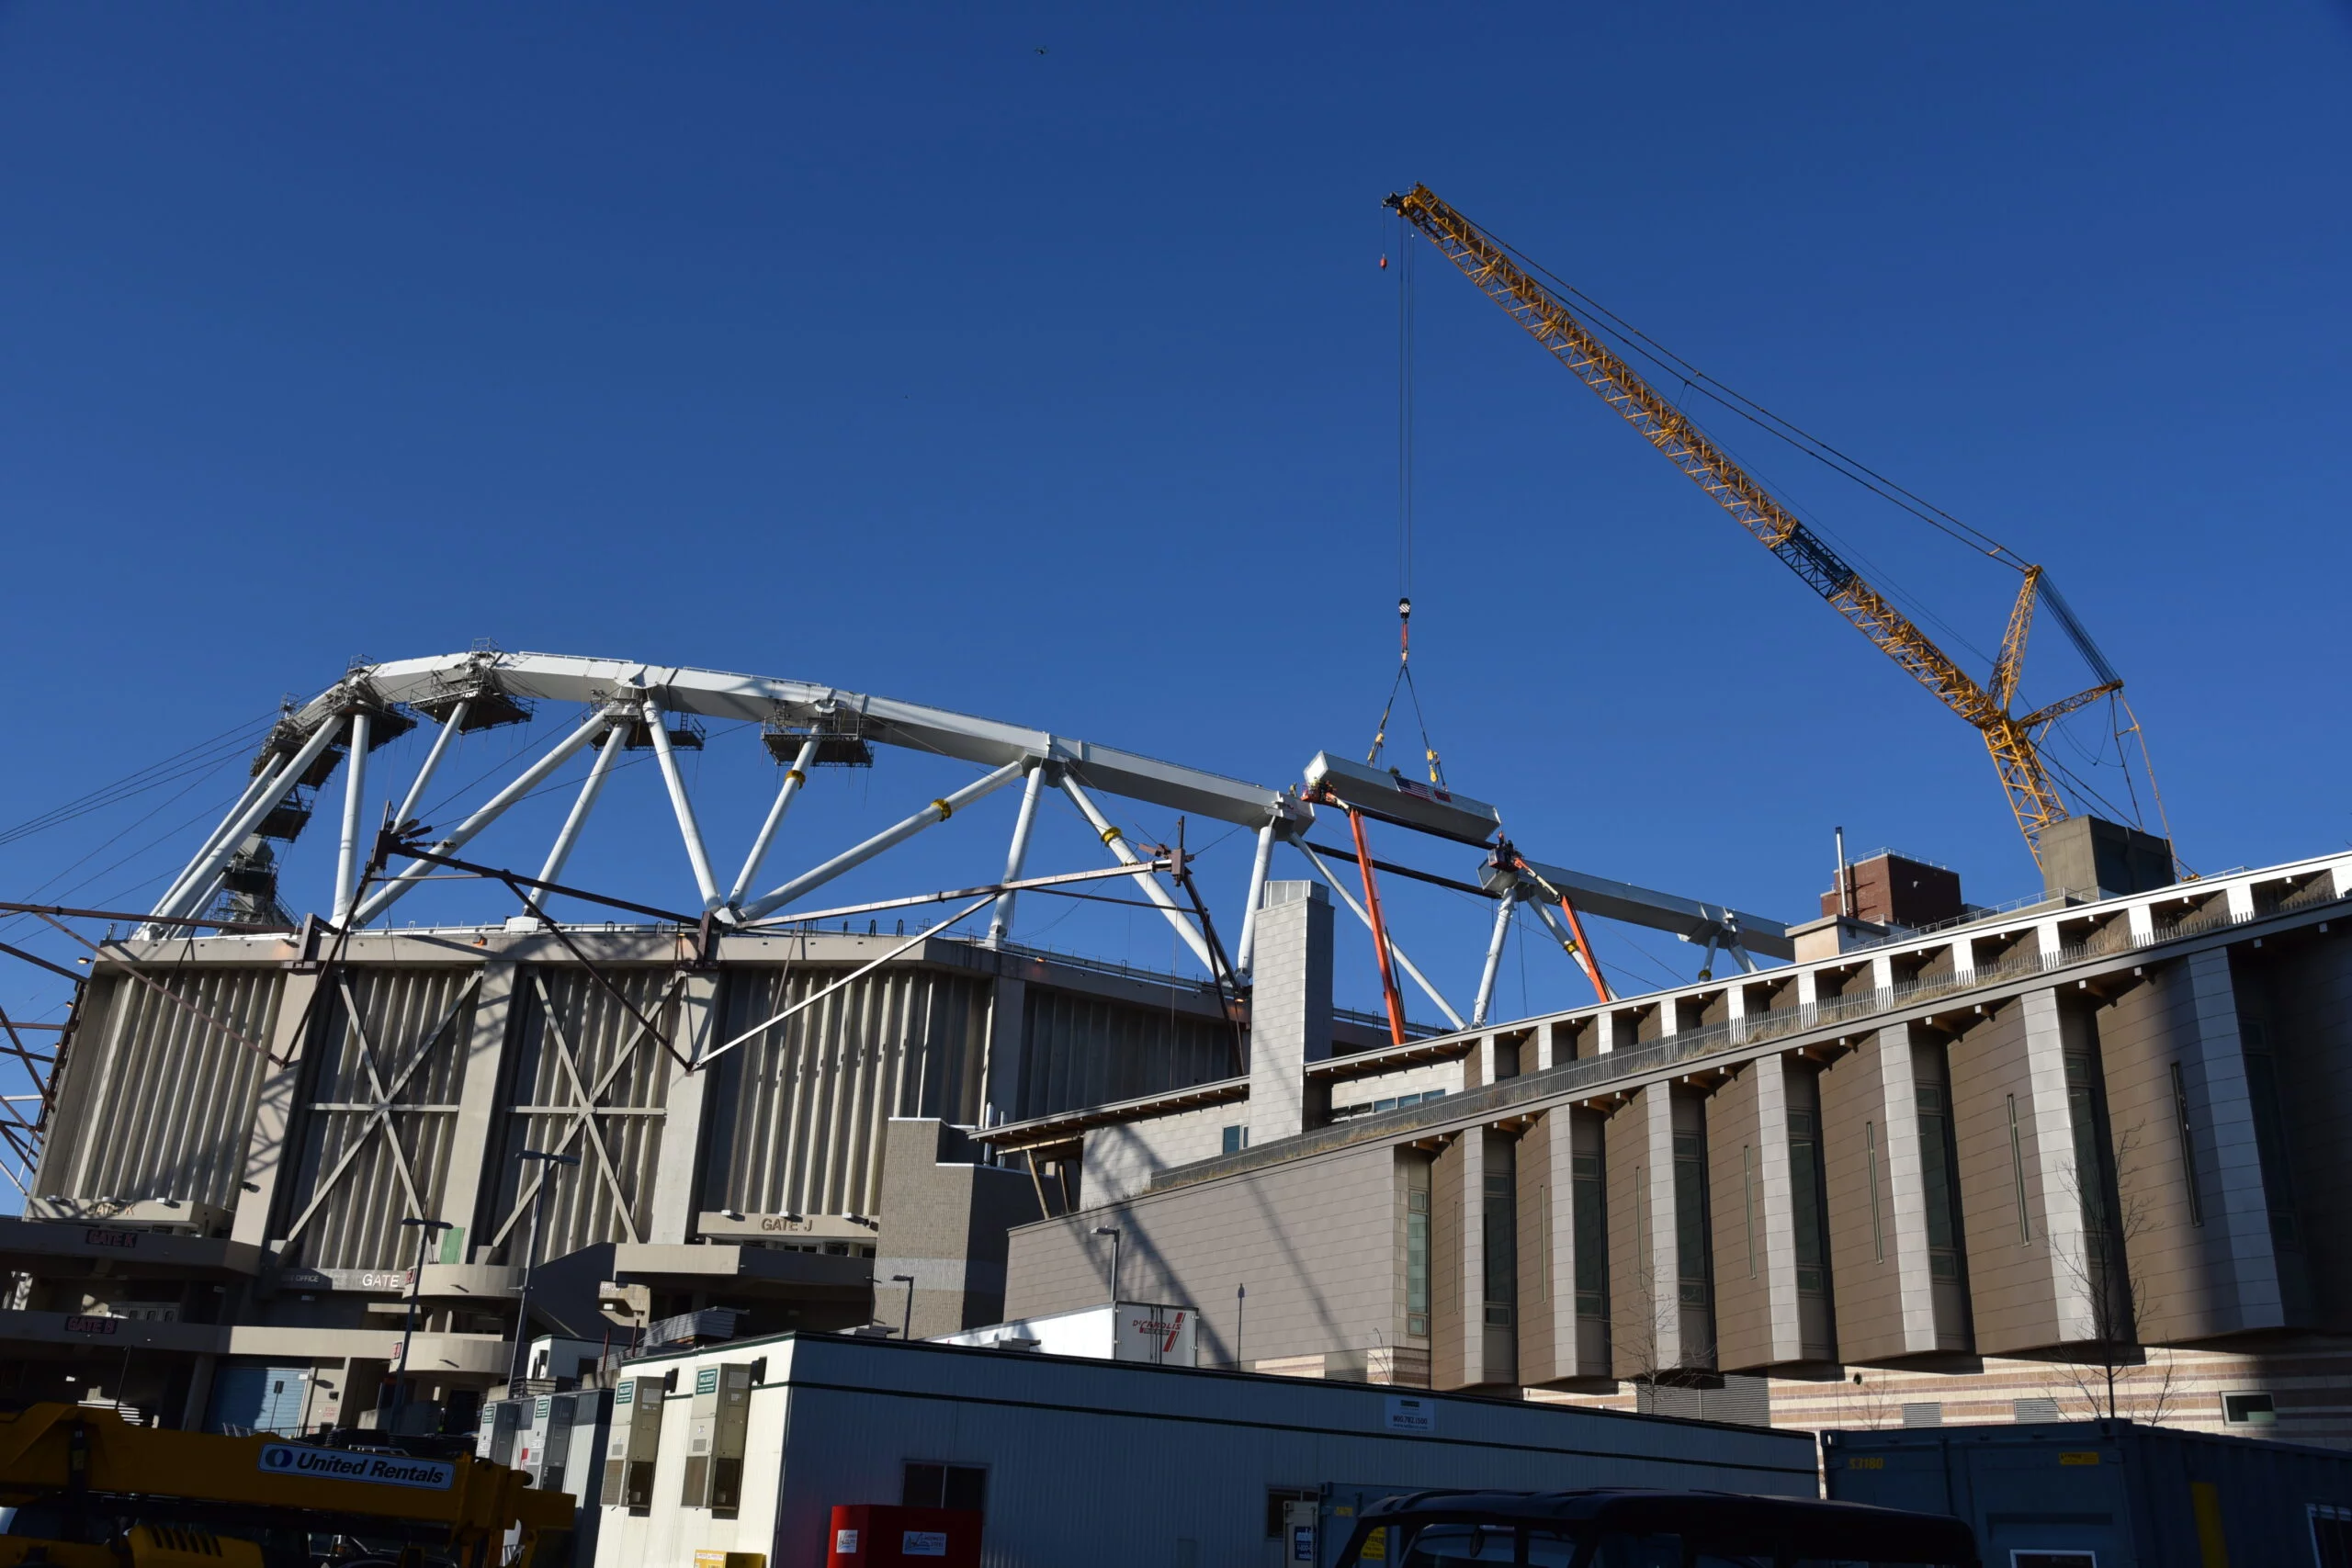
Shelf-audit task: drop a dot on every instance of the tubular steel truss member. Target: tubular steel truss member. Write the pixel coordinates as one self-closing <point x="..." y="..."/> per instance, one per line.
<point x="1504" y="907"/>
<point x="1568" y="930"/>
<point x="1388" y="995"/>
<point x="1395" y="953"/>
<point x="939" y="810"/>
<point x="1115" y="841"/>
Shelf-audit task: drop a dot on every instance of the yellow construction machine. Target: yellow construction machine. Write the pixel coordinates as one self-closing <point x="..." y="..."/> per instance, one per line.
<point x="80" y="1487"/>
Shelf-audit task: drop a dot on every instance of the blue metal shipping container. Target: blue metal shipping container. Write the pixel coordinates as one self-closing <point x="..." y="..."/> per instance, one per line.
<point x="2109" y="1493"/>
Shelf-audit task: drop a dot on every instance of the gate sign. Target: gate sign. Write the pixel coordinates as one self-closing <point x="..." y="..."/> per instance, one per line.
<point x="374" y="1470"/>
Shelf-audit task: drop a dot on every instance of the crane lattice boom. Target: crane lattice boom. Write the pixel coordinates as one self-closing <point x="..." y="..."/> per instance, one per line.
<point x="2011" y="740"/>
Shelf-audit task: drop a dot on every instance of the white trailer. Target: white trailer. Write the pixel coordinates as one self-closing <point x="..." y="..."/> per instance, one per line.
<point x="1101" y="1461"/>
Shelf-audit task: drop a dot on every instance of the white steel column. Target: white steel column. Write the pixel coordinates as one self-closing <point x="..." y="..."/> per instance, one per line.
<point x="355" y="788"/>
<point x="698" y="857"/>
<point x="616" y="740"/>
<point x="261" y="781"/>
<point x="794" y="777"/>
<point x="394" y="891"/>
<point x="1504" y="907"/>
<point x="848" y="860"/>
<point x="193" y="888"/>
<point x="1001" y="919"/>
<point x="1115" y="842"/>
<point x="1246" y="955"/>
<point x="415" y="796"/>
<point x="1394" y="951"/>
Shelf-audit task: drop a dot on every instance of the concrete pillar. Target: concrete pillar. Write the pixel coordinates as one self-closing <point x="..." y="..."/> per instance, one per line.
<point x="475" y="1141"/>
<point x="1878" y="1225"/>
<point x="1644" y="1302"/>
<point x="1008" y="1011"/>
<point x="1290" y="1008"/>
<point x="1547" y="1249"/>
<point x="2029" y="1287"/>
<point x="2236" y="1200"/>
<point x="677" y="1173"/>
<point x="1457" y="1260"/>
<point x="1757" y="1318"/>
<point x="267" y="1159"/>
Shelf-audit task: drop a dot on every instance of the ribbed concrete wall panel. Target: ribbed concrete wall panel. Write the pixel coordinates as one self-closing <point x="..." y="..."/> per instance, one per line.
<point x="577" y="1047"/>
<point x="1079" y="1050"/>
<point x="160" y="1100"/>
<point x="384" y="1038"/>
<point x="803" y="1108"/>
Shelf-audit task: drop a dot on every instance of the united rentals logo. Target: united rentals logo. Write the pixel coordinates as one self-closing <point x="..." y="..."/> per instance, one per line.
<point x="372" y="1470"/>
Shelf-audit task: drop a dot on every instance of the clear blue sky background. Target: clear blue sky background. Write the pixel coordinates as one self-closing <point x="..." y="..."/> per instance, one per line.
<point x="1038" y="363"/>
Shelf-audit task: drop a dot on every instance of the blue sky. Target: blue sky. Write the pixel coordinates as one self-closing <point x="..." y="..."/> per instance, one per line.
<point x="1038" y="363"/>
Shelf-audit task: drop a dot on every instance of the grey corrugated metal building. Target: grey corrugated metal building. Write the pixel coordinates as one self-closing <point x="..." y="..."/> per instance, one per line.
<point x="1100" y="1461"/>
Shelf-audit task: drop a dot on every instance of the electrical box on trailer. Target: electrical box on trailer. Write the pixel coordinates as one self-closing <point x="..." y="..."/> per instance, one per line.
<point x="873" y="1535"/>
<point x="715" y="1432"/>
<point x="1392" y="797"/>
<point x="636" y="1444"/>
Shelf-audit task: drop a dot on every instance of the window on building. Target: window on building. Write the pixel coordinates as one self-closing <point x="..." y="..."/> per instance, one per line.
<point x="1277" y="1496"/>
<point x="2249" y="1410"/>
<point x="2016" y="1175"/>
<point x="2188" y="1144"/>
<point x="1591" y="1221"/>
<point x="1805" y="1201"/>
<point x="2094" y="1161"/>
<point x="1236" y="1139"/>
<point x="2270" y="1131"/>
<point x="1417" y="1258"/>
<point x="1869" y="1158"/>
<point x="1690" y="1218"/>
<point x="1747" y="1202"/>
<point x="961" y="1486"/>
<point x="1939" y="1181"/>
<point x="1501" y="1233"/>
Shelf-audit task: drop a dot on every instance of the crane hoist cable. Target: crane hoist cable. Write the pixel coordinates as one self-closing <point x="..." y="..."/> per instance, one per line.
<point x="2012" y="740"/>
<point x="1404" y="681"/>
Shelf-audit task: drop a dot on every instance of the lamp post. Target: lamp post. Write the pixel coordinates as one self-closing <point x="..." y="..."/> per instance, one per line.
<point x="531" y="1258"/>
<point x="907" y="1324"/>
<point x="1113" y="1231"/>
<point x="427" y="1230"/>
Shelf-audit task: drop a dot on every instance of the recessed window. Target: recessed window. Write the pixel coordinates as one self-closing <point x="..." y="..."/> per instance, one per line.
<point x="2249" y="1410"/>
<point x="1236" y="1139"/>
<point x="961" y="1486"/>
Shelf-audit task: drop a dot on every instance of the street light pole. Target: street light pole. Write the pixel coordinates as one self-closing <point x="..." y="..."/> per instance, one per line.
<point x="1113" y="1231"/>
<point x="907" y="1324"/>
<point x="427" y="1230"/>
<point x="531" y="1260"/>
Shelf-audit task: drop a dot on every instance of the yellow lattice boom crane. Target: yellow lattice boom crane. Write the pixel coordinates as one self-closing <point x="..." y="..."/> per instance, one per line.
<point x="2014" y="739"/>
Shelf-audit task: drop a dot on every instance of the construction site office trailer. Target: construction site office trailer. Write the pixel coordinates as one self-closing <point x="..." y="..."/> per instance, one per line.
<point x="1077" y="1461"/>
<point x="2109" y="1493"/>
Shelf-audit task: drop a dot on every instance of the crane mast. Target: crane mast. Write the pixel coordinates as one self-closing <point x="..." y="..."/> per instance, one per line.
<point x="2012" y="740"/>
